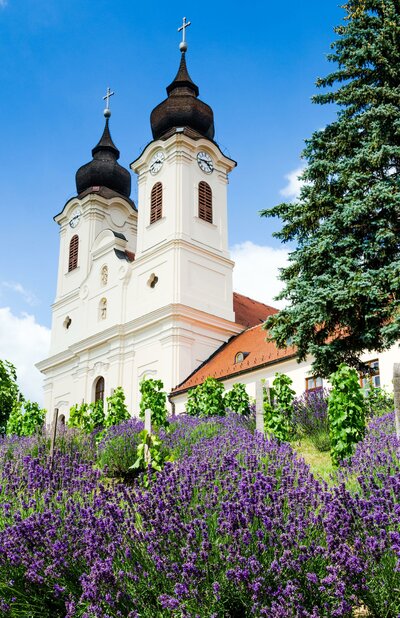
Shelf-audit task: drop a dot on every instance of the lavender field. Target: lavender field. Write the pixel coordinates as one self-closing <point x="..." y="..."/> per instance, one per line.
<point x="236" y="526"/>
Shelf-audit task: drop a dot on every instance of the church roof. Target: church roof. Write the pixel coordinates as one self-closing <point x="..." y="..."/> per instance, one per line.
<point x="250" y="312"/>
<point x="257" y="353"/>
<point x="182" y="108"/>
<point x="103" y="170"/>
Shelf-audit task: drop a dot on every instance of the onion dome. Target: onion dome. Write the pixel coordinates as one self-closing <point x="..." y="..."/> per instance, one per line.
<point x="182" y="108"/>
<point x="103" y="170"/>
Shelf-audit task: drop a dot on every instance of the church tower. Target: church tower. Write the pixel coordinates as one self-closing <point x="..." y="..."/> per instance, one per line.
<point x="144" y="292"/>
<point x="182" y="263"/>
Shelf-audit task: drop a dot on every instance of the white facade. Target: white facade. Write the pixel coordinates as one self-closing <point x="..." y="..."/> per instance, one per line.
<point x="109" y="318"/>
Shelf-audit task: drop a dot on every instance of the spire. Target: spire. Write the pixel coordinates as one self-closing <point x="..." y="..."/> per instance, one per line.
<point x="182" y="78"/>
<point x="103" y="170"/>
<point x="182" y="108"/>
<point x="106" y="144"/>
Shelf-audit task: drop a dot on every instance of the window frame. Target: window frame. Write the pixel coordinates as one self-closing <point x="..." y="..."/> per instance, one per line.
<point x="99" y="389"/>
<point x="205" y="202"/>
<point x="317" y="382"/>
<point x="156" y="202"/>
<point x="73" y="253"/>
<point x="369" y="379"/>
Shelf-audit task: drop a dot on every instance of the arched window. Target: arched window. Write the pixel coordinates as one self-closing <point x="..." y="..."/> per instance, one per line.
<point x="205" y="202"/>
<point x="73" y="253"/>
<point x="156" y="203"/>
<point x="99" y="389"/>
<point x="239" y="357"/>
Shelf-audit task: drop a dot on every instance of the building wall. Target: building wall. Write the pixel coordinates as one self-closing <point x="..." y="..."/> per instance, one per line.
<point x="298" y="372"/>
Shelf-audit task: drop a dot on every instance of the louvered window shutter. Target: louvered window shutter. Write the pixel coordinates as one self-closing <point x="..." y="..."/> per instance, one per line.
<point x="73" y="253"/>
<point x="205" y="202"/>
<point x="156" y="203"/>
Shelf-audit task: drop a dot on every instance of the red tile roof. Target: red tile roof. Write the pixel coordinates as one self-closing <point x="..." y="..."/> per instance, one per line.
<point x="252" y="342"/>
<point x="250" y="312"/>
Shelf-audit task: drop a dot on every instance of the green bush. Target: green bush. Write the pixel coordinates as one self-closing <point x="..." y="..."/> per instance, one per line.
<point x="117" y="412"/>
<point x="346" y="413"/>
<point x="378" y="401"/>
<point x="206" y="399"/>
<point x="237" y="399"/>
<point x="25" y="419"/>
<point x="152" y="454"/>
<point x="87" y="417"/>
<point x="118" y="453"/>
<point x="278" y="409"/>
<point x="189" y="438"/>
<point x="153" y="398"/>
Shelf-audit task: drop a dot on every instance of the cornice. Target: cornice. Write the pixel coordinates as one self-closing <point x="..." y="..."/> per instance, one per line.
<point x="178" y="311"/>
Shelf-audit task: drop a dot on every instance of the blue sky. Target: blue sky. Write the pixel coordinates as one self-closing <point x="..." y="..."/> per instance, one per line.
<point x="256" y="65"/>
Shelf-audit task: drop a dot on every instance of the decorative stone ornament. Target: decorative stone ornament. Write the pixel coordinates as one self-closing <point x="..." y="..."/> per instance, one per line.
<point x="104" y="275"/>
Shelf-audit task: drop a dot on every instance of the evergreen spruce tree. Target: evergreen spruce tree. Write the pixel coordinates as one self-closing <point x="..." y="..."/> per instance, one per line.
<point x="343" y="278"/>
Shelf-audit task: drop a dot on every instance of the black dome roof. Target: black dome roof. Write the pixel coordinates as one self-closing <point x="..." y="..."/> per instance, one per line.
<point x="182" y="108"/>
<point x="103" y="170"/>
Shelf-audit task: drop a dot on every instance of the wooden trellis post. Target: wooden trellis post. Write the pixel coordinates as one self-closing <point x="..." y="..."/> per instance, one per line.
<point x="260" y="407"/>
<point x="53" y="435"/>
<point x="147" y="426"/>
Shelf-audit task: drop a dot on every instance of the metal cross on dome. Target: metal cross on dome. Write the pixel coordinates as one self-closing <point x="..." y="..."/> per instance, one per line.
<point x="107" y="111"/>
<point x="183" y="44"/>
<point x="107" y="97"/>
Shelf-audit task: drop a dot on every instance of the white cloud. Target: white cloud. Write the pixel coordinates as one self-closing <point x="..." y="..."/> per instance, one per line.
<point x="256" y="271"/>
<point x="24" y="342"/>
<point x="29" y="297"/>
<point x="294" y="184"/>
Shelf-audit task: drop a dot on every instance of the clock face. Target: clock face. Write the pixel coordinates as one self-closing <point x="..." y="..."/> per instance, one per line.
<point x="205" y="162"/>
<point x="157" y="162"/>
<point x="76" y="215"/>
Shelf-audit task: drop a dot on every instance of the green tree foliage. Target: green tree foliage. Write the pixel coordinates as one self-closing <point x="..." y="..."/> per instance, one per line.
<point x="9" y="392"/>
<point x="154" y="398"/>
<point x="278" y="408"/>
<point x="116" y="408"/>
<point x="346" y="412"/>
<point x="206" y="399"/>
<point x="237" y="399"/>
<point x="343" y="278"/>
<point x="25" y="419"/>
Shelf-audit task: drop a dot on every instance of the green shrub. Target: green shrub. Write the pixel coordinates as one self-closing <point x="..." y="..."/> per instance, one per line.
<point x="184" y="446"/>
<point x="152" y="454"/>
<point x="378" y="401"/>
<point x="206" y="399"/>
<point x="117" y="454"/>
<point x="346" y="413"/>
<point x="278" y="409"/>
<point x="117" y="412"/>
<point x="153" y="398"/>
<point x="87" y="417"/>
<point x="237" y="399"/>
<point x="25" y="419"/>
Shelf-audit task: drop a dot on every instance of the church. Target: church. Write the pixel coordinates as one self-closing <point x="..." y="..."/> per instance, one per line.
<point x="145" y="291"/>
